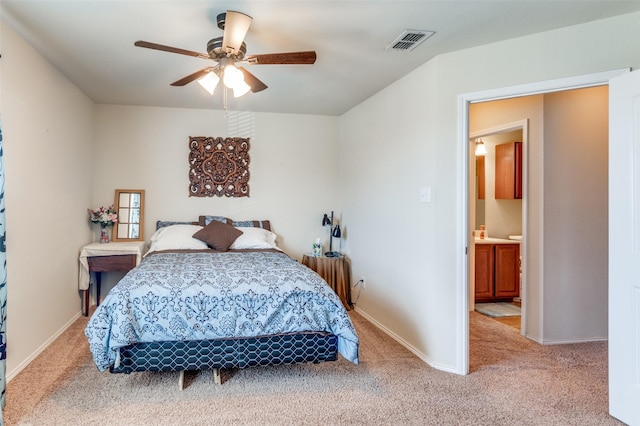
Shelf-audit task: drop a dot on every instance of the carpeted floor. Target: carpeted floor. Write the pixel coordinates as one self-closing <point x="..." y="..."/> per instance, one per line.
<point x="512" y="381"/>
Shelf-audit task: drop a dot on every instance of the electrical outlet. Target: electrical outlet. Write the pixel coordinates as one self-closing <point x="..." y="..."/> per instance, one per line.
<point x="364" y="282"/>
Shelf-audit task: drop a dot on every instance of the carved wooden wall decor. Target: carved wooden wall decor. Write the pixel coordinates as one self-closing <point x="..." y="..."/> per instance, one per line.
<point x="218" y="166"/>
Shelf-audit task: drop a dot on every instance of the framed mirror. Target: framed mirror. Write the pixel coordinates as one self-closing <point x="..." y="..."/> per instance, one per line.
<point x="130" y="207"/>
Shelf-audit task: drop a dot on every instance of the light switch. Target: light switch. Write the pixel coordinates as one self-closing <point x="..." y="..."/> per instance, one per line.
<point x="425" y="194"/>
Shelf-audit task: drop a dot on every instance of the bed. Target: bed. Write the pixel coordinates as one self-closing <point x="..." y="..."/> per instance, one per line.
<point x="216" y="295"/>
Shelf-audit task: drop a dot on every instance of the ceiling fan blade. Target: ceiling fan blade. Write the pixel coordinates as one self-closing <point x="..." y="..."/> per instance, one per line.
<point x="170" y="49"/>
<point x="253" y="82"/>
<point x="291" y="58"/>
<point x="191" y="77"/>
<point x="236" y="25"/>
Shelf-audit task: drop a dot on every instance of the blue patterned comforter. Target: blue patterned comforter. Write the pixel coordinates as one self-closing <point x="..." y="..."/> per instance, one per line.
<point x="200" y="295"/>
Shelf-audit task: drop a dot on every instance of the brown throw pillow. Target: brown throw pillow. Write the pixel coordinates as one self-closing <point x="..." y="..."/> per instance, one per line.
<point x="219" y="236"/>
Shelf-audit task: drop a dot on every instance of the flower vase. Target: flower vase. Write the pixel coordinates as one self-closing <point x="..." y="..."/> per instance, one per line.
<point x="104" y="234"/>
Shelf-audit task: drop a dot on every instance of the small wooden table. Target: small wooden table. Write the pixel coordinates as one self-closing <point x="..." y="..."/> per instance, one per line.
<point x="336" y="271"/>
<point x="115" y="263"/>
<point x="111" y="257"/>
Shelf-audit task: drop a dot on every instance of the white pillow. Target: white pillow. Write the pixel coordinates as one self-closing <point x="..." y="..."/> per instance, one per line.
<point x="176" y="237"/>
<point x="254" y="238"/>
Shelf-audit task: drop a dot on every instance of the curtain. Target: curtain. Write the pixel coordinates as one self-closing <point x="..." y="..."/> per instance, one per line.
<point x="3" y="285"/>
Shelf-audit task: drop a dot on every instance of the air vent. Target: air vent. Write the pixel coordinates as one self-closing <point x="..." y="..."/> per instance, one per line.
<point x="409" y="40"/>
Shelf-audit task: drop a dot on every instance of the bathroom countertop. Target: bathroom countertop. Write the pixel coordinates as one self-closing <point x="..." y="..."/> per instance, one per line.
<point x="496" y="241"/>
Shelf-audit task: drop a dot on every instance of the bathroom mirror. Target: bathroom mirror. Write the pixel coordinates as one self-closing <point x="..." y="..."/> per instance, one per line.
<point x="130" y="207"/>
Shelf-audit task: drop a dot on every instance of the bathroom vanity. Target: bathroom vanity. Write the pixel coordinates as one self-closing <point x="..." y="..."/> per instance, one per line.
<point x="497" y="269"/>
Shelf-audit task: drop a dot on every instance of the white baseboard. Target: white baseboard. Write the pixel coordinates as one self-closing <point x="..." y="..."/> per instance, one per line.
<point x="404" y="343"/>
<point x="13" y="373"/>
<point x="567" y="341"/>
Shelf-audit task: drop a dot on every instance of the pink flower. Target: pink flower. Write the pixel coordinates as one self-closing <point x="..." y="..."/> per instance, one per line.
<point x="104" y="216"/>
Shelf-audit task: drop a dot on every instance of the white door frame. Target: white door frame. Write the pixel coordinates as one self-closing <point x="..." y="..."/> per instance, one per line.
<point x="463" y="234"/>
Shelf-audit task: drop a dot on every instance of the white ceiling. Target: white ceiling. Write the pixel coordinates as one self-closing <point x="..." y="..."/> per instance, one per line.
<point x="91" y="43"/>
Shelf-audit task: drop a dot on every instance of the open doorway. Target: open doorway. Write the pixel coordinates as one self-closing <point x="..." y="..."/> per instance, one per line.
<point x="556" y="311"/>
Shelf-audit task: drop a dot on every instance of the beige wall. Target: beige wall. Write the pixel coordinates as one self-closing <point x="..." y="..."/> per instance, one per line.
<point x="47" y="133"/>
<point x="388" y="152"/>
<point x="294" y="167"/>
<point x="576" y="215"/>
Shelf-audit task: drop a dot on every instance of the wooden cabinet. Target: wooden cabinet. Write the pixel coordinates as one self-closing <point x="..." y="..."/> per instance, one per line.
<point x="497" y="272"/>
<point x="485" y="269"/>
<point x="507" y="272"/>
<point x="480" y="177"/>
<point x="508" y="177"/>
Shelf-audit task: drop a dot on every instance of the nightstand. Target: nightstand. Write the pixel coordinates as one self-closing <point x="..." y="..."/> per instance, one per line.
<point x="336" y="271"/>
<point x="110" y="257"/>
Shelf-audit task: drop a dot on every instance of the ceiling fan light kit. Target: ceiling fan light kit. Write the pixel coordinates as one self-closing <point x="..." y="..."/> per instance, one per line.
<point x="232" y="76"/>
<point x="241" y="89"/>
<point x="229" y="51"/>
<point x="209" y="82"/>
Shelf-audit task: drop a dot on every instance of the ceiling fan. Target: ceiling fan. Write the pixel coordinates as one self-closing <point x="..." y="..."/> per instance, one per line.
<point x="229" y="51"/>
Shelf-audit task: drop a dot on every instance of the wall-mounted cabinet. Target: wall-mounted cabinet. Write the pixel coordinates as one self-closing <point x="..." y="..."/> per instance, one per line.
<point x="497" y="272"/>
<point x="508" y="177"/>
